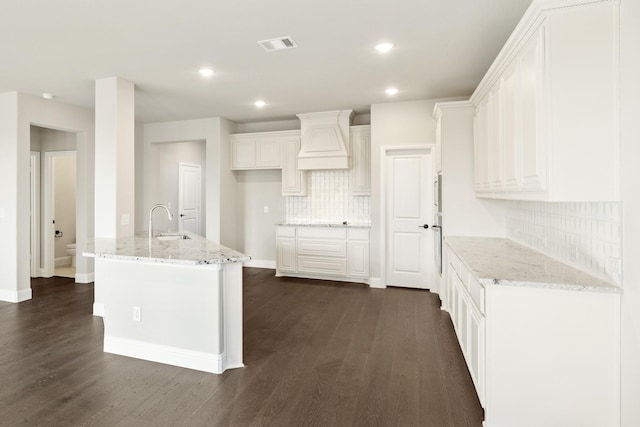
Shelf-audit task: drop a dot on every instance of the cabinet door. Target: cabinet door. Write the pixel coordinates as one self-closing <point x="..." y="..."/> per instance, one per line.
<point x="462" y="316"/>
<point x="294" y="181"/>
<point x="437" y="159"/>
<point x="475" y="358"/>
<point x="361" y="161"/>
<point x="358" y="258"/>
<point x="512" y="166"/>
<point x="494" y="139"/>
<point x="531" y="70"/>
<point x="480" y="149"/>
<point x="268" y="153"/>
<point x="243" y="153"/>
<point x="286" y="256"/>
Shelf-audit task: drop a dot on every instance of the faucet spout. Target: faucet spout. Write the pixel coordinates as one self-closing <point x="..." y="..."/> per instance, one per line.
<point x="153" y="208"/>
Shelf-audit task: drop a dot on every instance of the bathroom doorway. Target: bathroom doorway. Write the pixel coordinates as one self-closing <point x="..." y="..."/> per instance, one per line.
<point x="53" y="203"/>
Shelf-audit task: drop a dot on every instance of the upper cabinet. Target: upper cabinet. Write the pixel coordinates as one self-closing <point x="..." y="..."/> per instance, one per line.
<point x="545" y="125"/>
<point x="271" y="150"/>
<point x="294" y="181"/>
<point x="361" y="160"/>
<point x="255" y="151"/>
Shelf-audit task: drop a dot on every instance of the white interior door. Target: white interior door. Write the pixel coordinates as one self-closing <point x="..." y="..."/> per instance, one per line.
<point x="189" y="182"/>
<point x="409" y="207"/>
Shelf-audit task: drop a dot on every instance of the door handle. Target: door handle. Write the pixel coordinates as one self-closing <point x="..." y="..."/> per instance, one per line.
<point x="423" y="226"/>
<point x="181" y="215"/>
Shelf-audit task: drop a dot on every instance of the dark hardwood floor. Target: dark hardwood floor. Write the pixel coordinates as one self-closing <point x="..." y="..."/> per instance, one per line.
<point x="316" y="353"/>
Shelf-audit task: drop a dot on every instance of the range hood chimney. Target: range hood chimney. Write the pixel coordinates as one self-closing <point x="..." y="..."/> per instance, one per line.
<point x="325" y="140"/>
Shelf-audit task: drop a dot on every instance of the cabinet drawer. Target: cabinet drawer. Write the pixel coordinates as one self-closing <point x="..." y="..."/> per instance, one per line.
<point x="317" y="265"/>
<point x="358" y="234"/>
<point x="476" y="291"/>
<point x="286" y="232"/>
<point x="322" y="247"/>
<point x="322" y="232"/>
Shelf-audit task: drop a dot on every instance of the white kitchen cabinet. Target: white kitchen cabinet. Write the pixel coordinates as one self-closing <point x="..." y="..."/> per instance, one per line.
<point x="475" y="350"/>
<point x="268" y="153"/>
<point x="358" y="253"/>
<point x="294" y="181"/>
<point x="255" y="151"/>
<point x="271" y="150"/>
<point x="543" y="126"/>
<point x="243" y="152"/>
<point x="333" y="253"/>
<point x="524" y="350"/>
<point x="361" y="160"/>
<point x="286" y="249"/>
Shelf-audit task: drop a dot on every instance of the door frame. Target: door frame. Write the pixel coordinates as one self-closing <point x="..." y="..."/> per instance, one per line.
<point x="34" y="197"/>
<point x="180" y="183"/>
<point x="385" y="151"/>
<point x="48" y="228"/>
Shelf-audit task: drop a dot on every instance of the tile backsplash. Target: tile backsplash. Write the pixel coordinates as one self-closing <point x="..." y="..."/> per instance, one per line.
<point x="586" y="235"/>
<point x="329" y="201"/>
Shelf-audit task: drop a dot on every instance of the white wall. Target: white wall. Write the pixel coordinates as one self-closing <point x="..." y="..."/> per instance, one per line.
<point x="17" y="113"/>
<point x="394" y="124"/>
<point x="163" y="179"/>
<point x="255" y="228"/>
<point x="630" y="153"/>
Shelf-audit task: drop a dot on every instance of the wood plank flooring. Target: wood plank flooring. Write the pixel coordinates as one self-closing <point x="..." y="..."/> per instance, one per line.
<point x="317" y="354"/>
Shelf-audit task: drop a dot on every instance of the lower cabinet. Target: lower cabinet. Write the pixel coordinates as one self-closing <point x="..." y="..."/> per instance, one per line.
<point x="334" y="253"/>
<point x="467" y="317"/>
<point x="535" y="354"/>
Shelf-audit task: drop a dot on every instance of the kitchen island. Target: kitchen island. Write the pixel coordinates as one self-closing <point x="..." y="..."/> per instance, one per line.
<point x="174" y="299"/>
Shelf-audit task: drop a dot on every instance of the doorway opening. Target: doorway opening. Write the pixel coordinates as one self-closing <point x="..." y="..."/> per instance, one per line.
<point x="53" y="203"/>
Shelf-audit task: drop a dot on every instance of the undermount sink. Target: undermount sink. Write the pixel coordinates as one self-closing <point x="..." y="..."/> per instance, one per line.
<point x="168" y="236"/>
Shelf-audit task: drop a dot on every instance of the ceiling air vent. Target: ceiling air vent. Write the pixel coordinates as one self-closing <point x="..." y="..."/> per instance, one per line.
<point x="279" y="43"/>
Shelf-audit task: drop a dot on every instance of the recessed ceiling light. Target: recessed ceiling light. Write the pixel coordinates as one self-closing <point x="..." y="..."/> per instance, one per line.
<point x="259" y="103"/>
<point x="206" y="72"/>
<point x="48" y="96"/>
<point x="384" y="47"/>
<point x="391" y="91"/>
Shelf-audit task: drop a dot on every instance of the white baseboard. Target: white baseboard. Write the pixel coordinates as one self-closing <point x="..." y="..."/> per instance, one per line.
<point x="63" y="261"/>
<point x="98" y="309"/>
<point x="85" y="277"/>
<point x="375" y="282"/>
<point x="15" y="296"/>
<point x="259" y="263"/>
<point x="207" y="362"/>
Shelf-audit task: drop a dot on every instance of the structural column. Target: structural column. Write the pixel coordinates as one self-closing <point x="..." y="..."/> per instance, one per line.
<point x="115" y="158"/>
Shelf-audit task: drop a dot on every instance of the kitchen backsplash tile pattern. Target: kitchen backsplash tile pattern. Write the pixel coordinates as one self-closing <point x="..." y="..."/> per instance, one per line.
<point x="329" y="201"/>
<point x="585" y="235"/>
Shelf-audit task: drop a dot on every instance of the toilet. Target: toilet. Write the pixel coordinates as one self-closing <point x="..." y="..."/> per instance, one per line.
<point x="71" y="250"/>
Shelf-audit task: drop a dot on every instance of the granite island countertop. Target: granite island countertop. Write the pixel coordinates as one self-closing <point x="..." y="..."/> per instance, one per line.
<point x="325" y="224"/>
<point x="499" y="261"/>
<point x="196" y="250"/>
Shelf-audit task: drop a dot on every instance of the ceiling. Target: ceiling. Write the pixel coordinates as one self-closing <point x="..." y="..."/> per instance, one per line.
<point x="443" y="48"/>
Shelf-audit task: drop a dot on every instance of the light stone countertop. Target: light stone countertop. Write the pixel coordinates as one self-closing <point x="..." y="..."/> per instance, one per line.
<point x="326" y="224"/>
<point x="498" y="261"/>
<point x="193" y="251"/>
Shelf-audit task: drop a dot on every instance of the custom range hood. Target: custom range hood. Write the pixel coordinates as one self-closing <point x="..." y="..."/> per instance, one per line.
<point x="325" y="140"/>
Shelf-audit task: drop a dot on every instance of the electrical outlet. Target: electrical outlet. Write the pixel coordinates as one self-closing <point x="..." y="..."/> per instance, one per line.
<point x="136" y="313"/>
<point x="124" y="219"/>
<point x="266" y="209"/>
